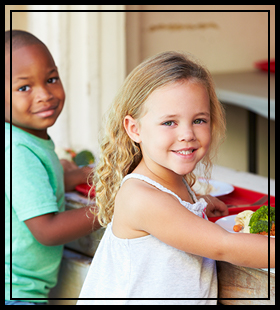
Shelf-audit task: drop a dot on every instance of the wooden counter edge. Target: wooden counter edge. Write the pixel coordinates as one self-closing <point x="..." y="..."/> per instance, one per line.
<point x="236" y="282"/>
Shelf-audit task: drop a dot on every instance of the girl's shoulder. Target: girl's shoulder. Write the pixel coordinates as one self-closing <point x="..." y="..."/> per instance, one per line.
<point x="135" y="203"/>
<point x="137" y="198"/>
<point x="135" y="192"/>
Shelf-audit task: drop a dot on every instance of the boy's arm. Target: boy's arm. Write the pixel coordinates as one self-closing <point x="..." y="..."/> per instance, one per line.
<point x="59" y="228"/>
<point x="215" y="207"/>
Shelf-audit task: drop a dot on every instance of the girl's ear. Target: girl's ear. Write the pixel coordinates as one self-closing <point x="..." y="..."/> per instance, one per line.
<point x="132" y="128"/>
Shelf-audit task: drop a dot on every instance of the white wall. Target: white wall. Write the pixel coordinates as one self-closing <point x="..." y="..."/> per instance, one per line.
<point x="224" y="42"/>
<point x="96" y="50"/>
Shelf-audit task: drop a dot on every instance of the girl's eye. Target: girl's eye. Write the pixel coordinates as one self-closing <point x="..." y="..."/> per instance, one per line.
<point x="24" y="88"/>
<point x="169" y="123"/>
<point x="199" y="121"/>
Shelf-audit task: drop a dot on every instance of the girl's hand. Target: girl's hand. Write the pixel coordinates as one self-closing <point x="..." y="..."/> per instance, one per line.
<point x="215" y="207"/>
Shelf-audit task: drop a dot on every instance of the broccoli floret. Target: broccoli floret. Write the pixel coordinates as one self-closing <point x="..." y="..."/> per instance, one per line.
<point x="262" y="215"/>
<point x="259" y="226"/>
<point x="259" y="220"/>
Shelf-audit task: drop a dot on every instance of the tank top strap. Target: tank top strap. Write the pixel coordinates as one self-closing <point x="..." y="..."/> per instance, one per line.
<point x="159" y="186"/>
<point x="197" y="208"/>
<point x="190" y="191"/>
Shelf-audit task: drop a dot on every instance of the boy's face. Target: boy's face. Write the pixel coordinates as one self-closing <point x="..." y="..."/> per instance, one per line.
<point x="37" y="92"/>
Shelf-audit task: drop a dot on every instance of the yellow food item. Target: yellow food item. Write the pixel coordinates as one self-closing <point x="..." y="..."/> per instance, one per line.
<point x="243" y="219"/>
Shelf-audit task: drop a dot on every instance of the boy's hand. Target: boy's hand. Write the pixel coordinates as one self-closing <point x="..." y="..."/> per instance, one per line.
<point x="215" y="207"/>
<point x="73" y="175"/>
<point x="68" y="165"/>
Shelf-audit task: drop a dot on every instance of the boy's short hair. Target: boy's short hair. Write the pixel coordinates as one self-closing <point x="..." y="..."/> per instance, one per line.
<point x="19" y="39"/>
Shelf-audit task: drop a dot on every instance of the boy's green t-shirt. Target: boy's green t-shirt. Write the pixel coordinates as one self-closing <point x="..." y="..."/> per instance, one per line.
<point x="33" y="186"/>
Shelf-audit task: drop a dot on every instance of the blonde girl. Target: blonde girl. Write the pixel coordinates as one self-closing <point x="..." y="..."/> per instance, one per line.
<point x="158" y="244"/>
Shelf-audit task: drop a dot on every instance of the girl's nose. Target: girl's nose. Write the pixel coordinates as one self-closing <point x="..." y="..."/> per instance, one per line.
<point x="187" y="134"/>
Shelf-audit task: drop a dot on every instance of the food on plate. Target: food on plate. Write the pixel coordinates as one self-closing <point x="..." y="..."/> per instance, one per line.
<point x="84" y="158"/>
<point x="262" y="215"/>
<point x="272" y="230"/>
<point x="71" y="152"/>
<point x="202" y="187"/>
<point x="63" y="154"/>
<point x="242" y="220"/>
<point x="255" y="222"/>
<point x="260" y="227"/>
<point x="259" y="220"/>
<point x="237" y="227"/>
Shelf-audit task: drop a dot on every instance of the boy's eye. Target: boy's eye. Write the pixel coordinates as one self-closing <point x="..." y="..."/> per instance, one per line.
<point x="24" y="88"/>
<point x="52" y="80"/>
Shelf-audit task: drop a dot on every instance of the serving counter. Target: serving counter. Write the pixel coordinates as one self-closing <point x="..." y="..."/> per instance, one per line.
<point x="237" y="285"/>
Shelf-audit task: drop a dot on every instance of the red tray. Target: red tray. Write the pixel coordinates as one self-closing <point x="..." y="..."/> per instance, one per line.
<point x="263" y="65"/>
<point x="241" y="196"/>
<point x="84" y="189"/>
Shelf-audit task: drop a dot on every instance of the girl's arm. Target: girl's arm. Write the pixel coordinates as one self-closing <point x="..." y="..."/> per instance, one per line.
<point x="162" y="216"/>
<point x="59" y="228"/>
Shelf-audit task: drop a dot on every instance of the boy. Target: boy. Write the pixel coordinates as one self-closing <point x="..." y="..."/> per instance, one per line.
<point x="40" y="226"/>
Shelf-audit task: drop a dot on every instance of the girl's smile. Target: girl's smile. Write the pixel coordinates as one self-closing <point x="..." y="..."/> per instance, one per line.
<point x="174" y="133"/>
<point x="185" y="153"/>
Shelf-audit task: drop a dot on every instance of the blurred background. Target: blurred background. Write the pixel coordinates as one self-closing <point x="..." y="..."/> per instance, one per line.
<point x="96" y="46"/>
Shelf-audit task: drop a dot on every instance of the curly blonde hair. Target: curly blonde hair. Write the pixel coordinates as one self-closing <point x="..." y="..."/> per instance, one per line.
<point x="119" y="154"/>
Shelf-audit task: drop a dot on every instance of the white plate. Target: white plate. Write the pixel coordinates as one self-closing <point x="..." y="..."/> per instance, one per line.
<point x="219" y="188"/>
<point x="227" y="222"/>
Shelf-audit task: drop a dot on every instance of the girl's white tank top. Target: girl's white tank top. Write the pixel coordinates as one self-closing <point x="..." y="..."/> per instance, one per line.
<point x="145" y="270"/>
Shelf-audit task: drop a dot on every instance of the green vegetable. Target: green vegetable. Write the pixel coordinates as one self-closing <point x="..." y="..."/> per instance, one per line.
<point x="259" y="220"/>
<point x="259" y="226"/>
<point x="84" y="158"/>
